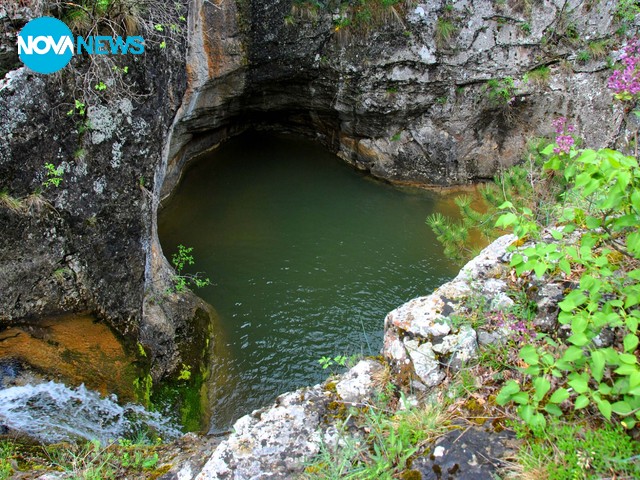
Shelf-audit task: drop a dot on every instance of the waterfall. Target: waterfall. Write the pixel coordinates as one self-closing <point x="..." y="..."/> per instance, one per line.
<point x="52" y="412"/>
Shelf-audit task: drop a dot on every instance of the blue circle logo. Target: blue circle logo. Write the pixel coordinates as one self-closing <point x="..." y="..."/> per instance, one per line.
<point x="45" y="45"/>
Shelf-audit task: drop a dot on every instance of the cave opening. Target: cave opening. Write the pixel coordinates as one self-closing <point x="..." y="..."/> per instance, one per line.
<point x="306" y="256"/>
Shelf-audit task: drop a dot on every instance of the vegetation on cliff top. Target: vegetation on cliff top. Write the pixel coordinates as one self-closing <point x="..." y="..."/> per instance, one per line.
<point x="576" y="213"/>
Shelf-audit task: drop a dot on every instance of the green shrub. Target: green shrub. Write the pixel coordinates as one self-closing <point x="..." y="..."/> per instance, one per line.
<point x="182" y="280"/>
<point x="501" y="92"/>
<point x="571" y="450"/>
<point x="597" y="235"/>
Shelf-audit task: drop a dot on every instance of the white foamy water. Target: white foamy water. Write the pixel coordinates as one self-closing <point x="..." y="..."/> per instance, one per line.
<point x="53" y="412"/>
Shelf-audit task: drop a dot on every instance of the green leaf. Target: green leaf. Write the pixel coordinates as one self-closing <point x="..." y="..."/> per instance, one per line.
<point x="540" y="268"/>
<point x="506" y="220"/>
<point x="538" y="421"/>
<point x="579" y="384"/>
<point x="597" y="364"/>
<point x="579" y="324"/>
<point x="635" y="200"/>
<point x="553" y="409"/>
<point x="533" y="370"/>
<point x="559" y="396"/>
<point x="578" y="339"/>
<point x="572" y="354"/>
<point x="565" y="266"/>
<point x="621" y="408"/>
<point x="516" y="259"/>
<point x="526" y="413"/>
<point x="628" y="423"/>
<point x="604" y="389"/>
<point x="520" y="398"/>
<point x="593" y="223"/>
<point x="505" y="394"/>
<point x="630" y="342"/>
<point x="628" y="358"/>
<point x="548" y="150"/>
<point x="633" y="243"/>
<point x="626" y="369"/>
<point x="581" y="402"/>
<point x="541" y="386"/>
<point x="574" y="299"/>
<point x="553" y="163"/>
<point x="605" y="408"/>
<point x="529" y="354"/>
<point x="587" y="156"/>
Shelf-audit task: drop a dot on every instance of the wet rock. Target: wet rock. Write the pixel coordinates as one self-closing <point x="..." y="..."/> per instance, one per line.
<point x="9" y="371"/>
<point x="466" y="454"/>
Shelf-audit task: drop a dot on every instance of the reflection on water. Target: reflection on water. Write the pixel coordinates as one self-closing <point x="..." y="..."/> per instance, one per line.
<point x="306" y="257"/>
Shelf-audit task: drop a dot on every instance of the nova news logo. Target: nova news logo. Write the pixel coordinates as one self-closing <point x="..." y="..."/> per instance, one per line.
<point x="46" y="45"/>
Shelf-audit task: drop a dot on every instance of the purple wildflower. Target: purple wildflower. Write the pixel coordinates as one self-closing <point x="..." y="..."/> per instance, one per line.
<point x="564" y="139"/>
<point x="626" y="83"/>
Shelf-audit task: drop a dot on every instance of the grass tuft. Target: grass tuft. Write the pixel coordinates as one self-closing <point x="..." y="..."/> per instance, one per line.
<point x="14" y="204"/>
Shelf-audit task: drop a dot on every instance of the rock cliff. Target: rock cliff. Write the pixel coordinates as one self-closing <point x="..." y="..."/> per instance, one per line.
<point x="428" y="93"/>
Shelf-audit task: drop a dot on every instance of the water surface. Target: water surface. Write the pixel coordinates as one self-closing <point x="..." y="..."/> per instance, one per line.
<point x="306" y="257"/>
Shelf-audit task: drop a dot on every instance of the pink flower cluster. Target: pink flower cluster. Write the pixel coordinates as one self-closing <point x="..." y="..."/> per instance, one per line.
<point x="626" y="83"/>
<point x="519" y="330"/>
<point x="564" y="139"/>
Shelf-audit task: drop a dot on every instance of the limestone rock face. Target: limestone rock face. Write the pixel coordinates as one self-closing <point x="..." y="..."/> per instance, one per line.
<point x="275" y="441"/>
<point x="421" y="337"/>
<point x="357" y="384"/>
<point x="90" y="244"/>
<point x="390" y="97"/>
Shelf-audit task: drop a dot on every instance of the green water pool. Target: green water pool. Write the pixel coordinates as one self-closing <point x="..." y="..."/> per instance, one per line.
<point x="306" y="257"/>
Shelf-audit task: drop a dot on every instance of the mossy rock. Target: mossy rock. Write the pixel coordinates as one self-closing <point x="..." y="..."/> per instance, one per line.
<point x="411" y="475"/>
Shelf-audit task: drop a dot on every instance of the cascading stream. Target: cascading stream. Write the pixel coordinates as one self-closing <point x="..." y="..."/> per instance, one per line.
<point x="52" y="412"/>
